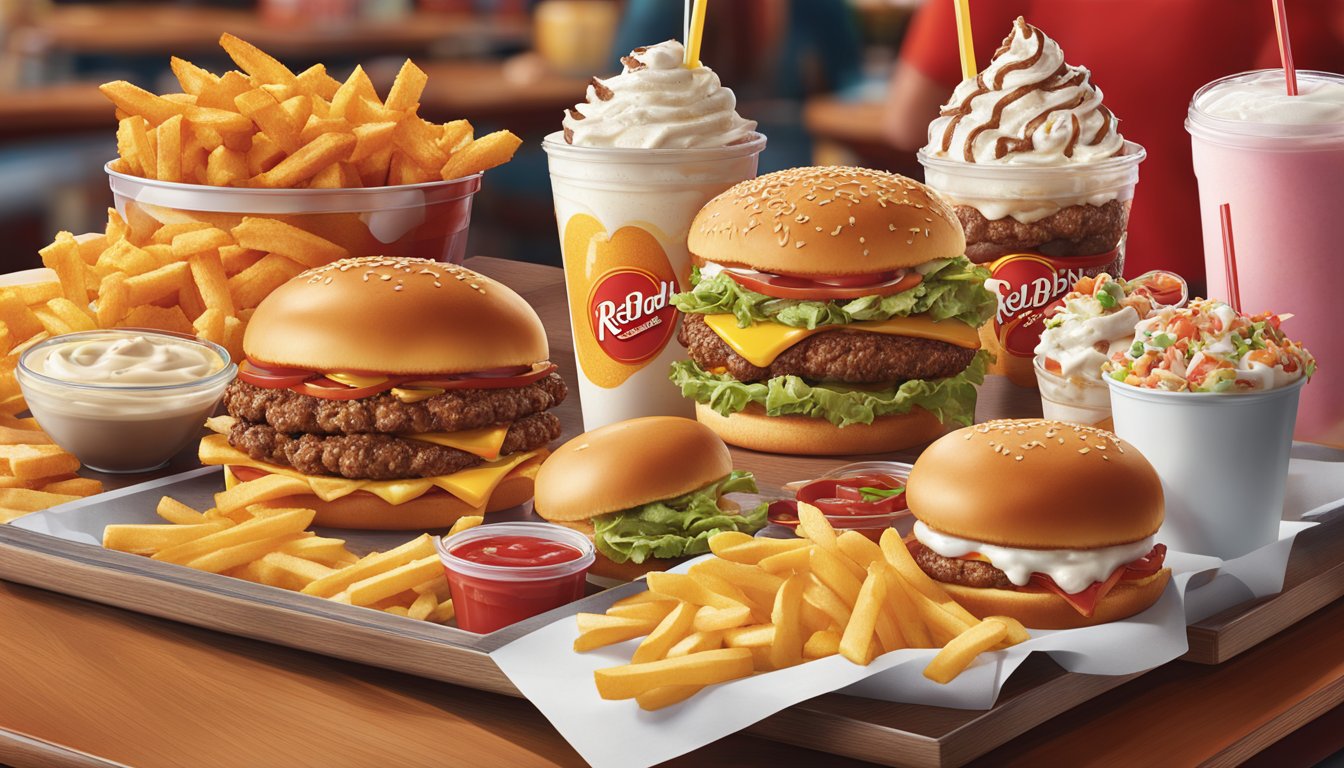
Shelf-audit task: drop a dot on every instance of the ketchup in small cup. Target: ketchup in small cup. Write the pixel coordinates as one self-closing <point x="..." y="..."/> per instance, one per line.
<point x="869" y="502"/>
<point x="502" y="573"/>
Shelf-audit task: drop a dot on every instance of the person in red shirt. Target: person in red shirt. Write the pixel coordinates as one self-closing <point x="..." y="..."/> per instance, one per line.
<point x="1148" y="57"/>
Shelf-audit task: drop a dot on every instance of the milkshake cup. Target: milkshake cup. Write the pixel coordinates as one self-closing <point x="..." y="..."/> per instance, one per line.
<point x="625" y="191"/>
<point x="1278" y="160"/>
<point x="1041" y="180"/>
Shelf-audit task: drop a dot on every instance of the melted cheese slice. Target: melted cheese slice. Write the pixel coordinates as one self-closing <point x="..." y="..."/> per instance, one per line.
<point x="485" y="442"/>
<point x="473" y="486"/>
<point x="761" y="343"/>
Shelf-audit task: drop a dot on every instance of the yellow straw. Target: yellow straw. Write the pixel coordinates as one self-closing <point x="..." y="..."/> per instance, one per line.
<point x="697" y="34"/>
<point x="963" y="10"/>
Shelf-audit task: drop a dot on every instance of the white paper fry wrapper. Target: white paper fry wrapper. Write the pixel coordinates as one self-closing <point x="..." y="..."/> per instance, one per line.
<point x="618" y="733"/>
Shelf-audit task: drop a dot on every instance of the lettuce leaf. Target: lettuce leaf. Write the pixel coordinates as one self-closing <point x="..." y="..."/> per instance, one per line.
<point x="952" y="289"/>
<point x="677" y="527"/>
<point x="951" y="399"/>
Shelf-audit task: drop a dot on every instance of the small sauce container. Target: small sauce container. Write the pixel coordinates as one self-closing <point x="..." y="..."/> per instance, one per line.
<point x="502" y="573"/>
<point x="126" y="399"/>
<point x="838" y="495"/>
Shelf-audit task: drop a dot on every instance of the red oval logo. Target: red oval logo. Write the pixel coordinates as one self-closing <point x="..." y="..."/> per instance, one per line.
<point x="1027" y="284"/>
<point x="631" y="315"/>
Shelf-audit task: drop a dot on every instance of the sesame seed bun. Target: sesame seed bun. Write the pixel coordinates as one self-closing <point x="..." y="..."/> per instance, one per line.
<point x="828" y="220"/>
<point x="1036" y="484"/>
<point x="808" y="436"/>
<point x="627" y="464"/>
<point x="395" y="315"/>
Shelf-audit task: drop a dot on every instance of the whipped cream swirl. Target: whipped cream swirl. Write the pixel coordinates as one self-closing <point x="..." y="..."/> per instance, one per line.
<point x="1028" y="107"/>
<point x="657" y="103"/>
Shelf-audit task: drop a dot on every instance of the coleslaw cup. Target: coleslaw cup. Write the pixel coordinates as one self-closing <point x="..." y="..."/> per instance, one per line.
<point x="1076" y="399"/>
<point x="1222" y="458"/>
<point x="414" y="220"/>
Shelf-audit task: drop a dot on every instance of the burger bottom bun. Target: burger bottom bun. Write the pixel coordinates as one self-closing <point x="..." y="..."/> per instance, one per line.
<point x="606" y="568"/>
<point x="804" y="435"/>
<point x="362" y="510"/>
<point x="1046" y="610"/>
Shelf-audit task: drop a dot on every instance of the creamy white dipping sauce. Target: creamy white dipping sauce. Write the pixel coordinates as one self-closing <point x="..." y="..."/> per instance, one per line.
<point x="129" y="361"/>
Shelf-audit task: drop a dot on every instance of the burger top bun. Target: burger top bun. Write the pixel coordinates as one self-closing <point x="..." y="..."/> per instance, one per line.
<point x="1036" y="484"/>
<point x="394" y="315"/>
<point x="829" y="220"/>
<point x="627" y="464"/>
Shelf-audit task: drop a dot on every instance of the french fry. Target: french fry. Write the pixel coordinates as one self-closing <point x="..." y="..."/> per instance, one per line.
<point x="704" y="668"/>
<point x="900" y="558"/>
<point x="597" y="630"/>
<point x="416" y="549"/>
<point x="821" y="644"/>
<point x="255" y="283"/>
<point x="721" y="586"/>
<point x="74" y="486"/>
<point x="63" y="257"/>
<point x="304" y="570"/>
<point x="134" y="100"/>
<point x="282" y="524"/>
<point x="256" y="62"/>
<point x="819" y="596"/>
<point x="757" y="549"/>
<point x="28" y="500"/>
<point x="148" y="539"/>
<point x="791" y="561"/>
<point x="650" y="611"/>
<point x="226" y="558"/>
<point x="171" y="319"/>
<point x="674" y="626"/>
<point x="695" y="643"/>
<point x="666" y="696"/>
<point x="755" y="583"/>
<point x="456" y="135"/>
<point x="406" y="89"/>
<point x="399" y="579"/>
<point x="963" y="649"/>
<point x="278" y="237"/>
<point x="266" y="488"/>
<point x="168" y="150"/>
<point x="642" y="597"/>
<point x="423" y="606"/>
<point x="1014" y="631"/>
<point x="753" y="636"/>
<point x="481" y="155"/>
<point x="305" y="162"/>
<point x="711" y="619"/>
<point x="723" y="540"/>
<point x="176" y="512"/>
<point x="902" y="605"/>
<point x="28" y="462"/>
<point x="465" y="522"/>
<point x="856" y="641"/>
<point x="679" y="586"/>
<point x="444" y="613"/>
<point x="786" y="648"/>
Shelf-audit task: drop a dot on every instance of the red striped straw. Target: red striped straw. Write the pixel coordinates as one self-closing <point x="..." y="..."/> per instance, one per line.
<point x="1230" y="258"/>
<point x="1285" y="46"/>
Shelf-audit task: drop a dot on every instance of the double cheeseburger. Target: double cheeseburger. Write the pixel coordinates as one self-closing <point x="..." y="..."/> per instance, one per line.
<point x="1045" y="521"/>
<point x="649" y="492"/>
<point x="831" y="311"/>
<point x="394" y="394"/>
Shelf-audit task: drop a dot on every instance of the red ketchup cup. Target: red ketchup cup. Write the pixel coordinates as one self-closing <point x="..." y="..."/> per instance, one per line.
<point x="502" y="573"/>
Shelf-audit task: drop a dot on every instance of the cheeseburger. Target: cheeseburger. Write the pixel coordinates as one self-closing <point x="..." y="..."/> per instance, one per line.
<point x="831" y="311"/>
<point x="392" y="394"/>
<point x="650" y="492"/>
<point x="1055" y="530"/>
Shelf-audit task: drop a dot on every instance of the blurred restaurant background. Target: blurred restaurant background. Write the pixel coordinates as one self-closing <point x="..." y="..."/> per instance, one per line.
<point x="813" y="73"/>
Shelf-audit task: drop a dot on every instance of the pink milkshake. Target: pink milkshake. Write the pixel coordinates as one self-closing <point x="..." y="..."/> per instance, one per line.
<point x="1278" y="160"/>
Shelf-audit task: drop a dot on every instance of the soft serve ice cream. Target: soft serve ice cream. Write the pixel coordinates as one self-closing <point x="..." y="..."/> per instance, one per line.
<point x="657" y="103"/>
<point x="1260" y="97"/>
<point x="1041" y="180"/>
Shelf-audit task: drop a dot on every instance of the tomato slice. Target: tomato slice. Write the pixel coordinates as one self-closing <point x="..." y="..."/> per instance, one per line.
<point x="825" y="287"/>
<point x="1084" y="602"/>
<point x="273" y="377"/>
<point x="845" y="496"/>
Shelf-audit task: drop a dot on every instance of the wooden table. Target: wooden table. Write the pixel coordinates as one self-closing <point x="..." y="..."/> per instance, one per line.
<point x="54" y="110"/>
<point x="180" y="30"/>
<point x="85" y="684"/>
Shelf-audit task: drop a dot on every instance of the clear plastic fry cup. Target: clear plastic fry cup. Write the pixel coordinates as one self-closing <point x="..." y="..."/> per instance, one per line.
<point x="1223" y="460"/>
<point x="426" y="221"/>
<point x="1072" y="399"/>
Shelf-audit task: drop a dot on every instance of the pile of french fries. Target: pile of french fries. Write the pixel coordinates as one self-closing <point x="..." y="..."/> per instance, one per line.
<point x="273" y="546"/>
<point x="267" y="127"/>
<point x="766" y="604"/>
<point x="188" y="277"/>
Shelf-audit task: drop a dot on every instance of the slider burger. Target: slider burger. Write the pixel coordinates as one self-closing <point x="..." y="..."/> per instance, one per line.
<point x="831" y="311"/>
<point x="394" y="394"/>
<point x="648" y="491"/>
<point x="1049" y="522"/>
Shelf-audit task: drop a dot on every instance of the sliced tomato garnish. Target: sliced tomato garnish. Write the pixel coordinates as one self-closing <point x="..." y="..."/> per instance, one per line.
<point x="825" y="287"/>
<point x="845" y="496"/>
<point x="1148" y="564"/>
<point x="274" y="377"/>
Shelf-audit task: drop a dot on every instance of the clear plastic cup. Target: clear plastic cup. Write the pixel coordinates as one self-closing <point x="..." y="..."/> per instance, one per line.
<point x="490" y="597"/>
<point x="1073" y="399"/>
<point x="623" y="216"/>
<point x="1223" y="460"/>
<point x="426" y="221"/>
<point x="116" y="428"/>
<point x="1039" y="264"/>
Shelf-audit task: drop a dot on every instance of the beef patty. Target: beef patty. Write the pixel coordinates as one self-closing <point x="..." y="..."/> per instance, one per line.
<point x="453" y="411"/>
<point x="378" y="456"/>
<point x="968" y="573"/>
<point x="848" y="356"/>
